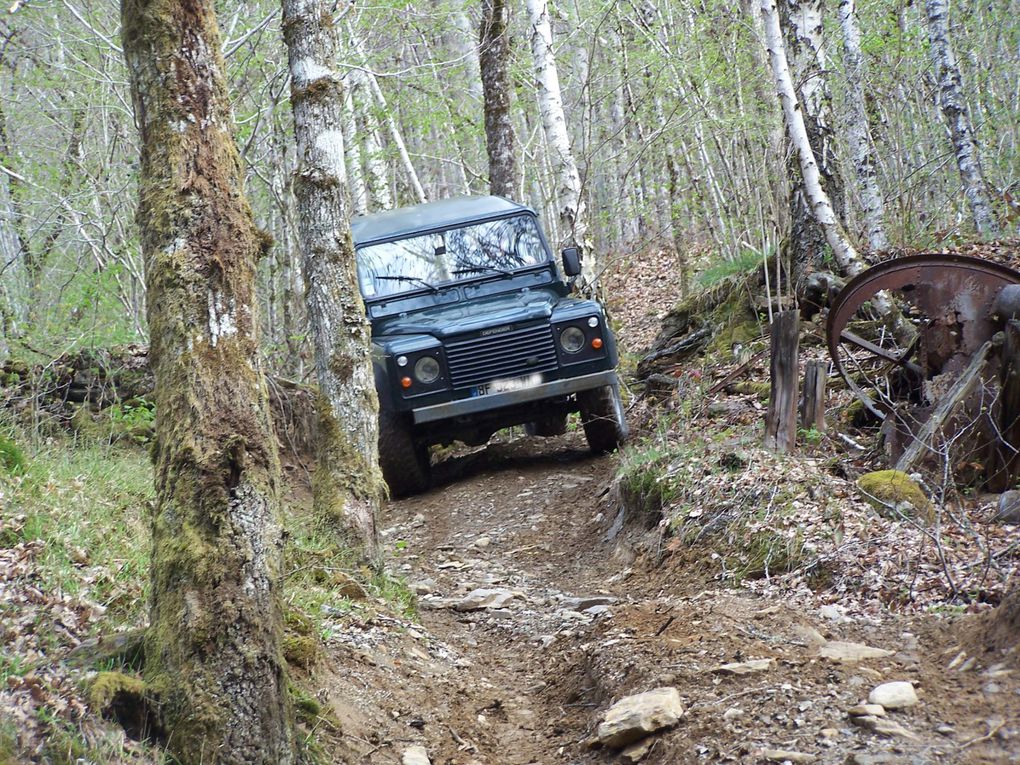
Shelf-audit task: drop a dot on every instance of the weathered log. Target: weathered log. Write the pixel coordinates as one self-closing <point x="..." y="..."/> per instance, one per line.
<point x="678" y="351"/>
<point x="781" y="419"/>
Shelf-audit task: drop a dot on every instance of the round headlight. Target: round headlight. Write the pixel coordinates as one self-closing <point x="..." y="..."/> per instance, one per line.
<point x="401" y="361"/>
<point x="572" y="339"/>
<point x="593" y="322"/>
<point x="426" y="369"/>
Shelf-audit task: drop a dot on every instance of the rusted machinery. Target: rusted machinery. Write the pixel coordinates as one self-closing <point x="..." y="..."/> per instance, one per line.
<point x="946" y="365"/>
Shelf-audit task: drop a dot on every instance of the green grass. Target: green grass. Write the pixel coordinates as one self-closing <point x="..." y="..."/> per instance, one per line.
<point x="88" y="506"/>
<point x="746" y="261"/>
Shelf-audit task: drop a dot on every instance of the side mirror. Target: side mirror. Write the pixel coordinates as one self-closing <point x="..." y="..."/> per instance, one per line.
<point x="571" y="261"/>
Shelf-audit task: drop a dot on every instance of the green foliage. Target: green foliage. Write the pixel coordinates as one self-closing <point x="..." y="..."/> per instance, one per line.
<point x="12" y="459"/>
<point x="810" y="435"/>
<point x="744" y="263"/>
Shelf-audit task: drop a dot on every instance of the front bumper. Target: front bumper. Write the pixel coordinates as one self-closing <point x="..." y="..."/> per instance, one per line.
<point x="469" y="406"/>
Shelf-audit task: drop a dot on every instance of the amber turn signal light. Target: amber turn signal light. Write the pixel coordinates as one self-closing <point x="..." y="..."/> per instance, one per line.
<point x="596" y="343"/>
<point x="405" y="382"/>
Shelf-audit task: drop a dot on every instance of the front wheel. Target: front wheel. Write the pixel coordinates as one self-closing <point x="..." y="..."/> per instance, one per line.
<point x="405" y="464"/>
<point x="602" y="417"/>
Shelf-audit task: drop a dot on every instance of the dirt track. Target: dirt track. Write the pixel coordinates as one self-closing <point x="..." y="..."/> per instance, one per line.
<point x="588" y="620"/>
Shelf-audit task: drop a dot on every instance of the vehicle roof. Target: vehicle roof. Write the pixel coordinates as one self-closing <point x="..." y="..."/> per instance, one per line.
<point x="443" y="213"/>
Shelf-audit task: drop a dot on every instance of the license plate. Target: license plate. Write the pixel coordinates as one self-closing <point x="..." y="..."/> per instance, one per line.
<point x="505" y="386"/>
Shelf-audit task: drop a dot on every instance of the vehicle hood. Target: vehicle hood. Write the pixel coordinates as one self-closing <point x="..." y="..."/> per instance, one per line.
<point x="471" y="316"/>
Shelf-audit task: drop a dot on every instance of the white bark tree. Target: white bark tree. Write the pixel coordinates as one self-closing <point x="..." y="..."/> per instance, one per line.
<point x="858" y="132"/>
<point x="818" y="201"/>
<point x="954" y="108"/>
<point x="347" y="485"/>
<point x="806" y="59"/>
<point x="573" y="213"/>
<point x="391" y="122"/>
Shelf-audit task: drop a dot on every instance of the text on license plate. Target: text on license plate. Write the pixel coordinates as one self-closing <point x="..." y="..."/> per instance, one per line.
<point x="504" y="386"/>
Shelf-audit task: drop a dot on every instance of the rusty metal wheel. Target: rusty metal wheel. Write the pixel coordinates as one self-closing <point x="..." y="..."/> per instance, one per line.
<point x="949" y="302"/>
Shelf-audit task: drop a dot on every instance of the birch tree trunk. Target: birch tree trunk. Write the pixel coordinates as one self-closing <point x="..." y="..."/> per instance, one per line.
<point x="347" y="485"/>
<point x="858" y="132"/>
<point x="954" y="108"/>
<point x="806" y="61"/>
<point x="213" y="658"/>
<point x="352" y="149"/>
<point x="395" y="135"/>
<point x="573" y="215"/>
<point x="497" y="89"/>
<point x="818" y="201"/>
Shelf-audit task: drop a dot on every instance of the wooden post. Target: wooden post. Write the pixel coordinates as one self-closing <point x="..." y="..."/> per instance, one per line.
<point x="781" y="420"/>
<point x="812" y="413"/>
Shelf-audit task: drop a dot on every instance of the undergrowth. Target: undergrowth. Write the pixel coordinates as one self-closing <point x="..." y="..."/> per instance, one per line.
<point x="79" y="509"/>
<point x="705" y="492"/>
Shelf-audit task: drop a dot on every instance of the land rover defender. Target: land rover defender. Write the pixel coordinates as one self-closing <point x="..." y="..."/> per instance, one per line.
<point x="474" y="330"/>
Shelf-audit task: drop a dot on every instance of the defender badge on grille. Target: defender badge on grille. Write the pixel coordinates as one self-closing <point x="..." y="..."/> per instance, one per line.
<point x="496" y="330"/>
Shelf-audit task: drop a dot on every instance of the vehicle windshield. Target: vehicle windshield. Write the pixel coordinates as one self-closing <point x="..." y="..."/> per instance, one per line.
<point x="497" y="246"/>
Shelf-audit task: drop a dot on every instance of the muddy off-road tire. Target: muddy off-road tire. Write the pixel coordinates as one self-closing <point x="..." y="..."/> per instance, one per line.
<point x="545" y="428"/>
<point x="405" y="464"/>
<point x="602" y="418"/>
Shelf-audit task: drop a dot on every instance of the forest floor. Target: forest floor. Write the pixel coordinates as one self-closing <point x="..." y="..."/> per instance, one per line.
<point x="536" y="585"/>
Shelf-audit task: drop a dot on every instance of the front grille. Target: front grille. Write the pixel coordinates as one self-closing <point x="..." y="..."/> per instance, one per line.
<point x="478" y="360"/>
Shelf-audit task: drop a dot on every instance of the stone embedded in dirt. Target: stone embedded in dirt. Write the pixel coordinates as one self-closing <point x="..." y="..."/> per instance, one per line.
<point x="862" y="710"/>
<point x="884" y="726"/>
<point x="634" y="717"/>
<point x="732" y="713"/>
<point x="482" y="542"/>
<point x="1008" y="511"/>
<point x="745" y="667"/>
<point x="636" y="752"/>
<point x="786" y="755"/>
<point x="833" y="613"/>
<point x="895" y="695"/>
<point x="482" y="598"/>
<point x="809" y="635"/>
<point x="851" y="653"/>
<point x="415" y="755"/>
<point x="583" y="604"/>
<point x="423" y="587"/>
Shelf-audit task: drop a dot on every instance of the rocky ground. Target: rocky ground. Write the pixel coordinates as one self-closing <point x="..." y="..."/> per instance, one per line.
<point x="538" y="614"/>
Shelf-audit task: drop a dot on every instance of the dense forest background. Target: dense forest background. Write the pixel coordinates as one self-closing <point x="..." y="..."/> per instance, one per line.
<point x="670" y="107"/>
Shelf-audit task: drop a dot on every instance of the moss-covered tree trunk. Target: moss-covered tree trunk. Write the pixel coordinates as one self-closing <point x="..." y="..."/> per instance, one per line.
<point x="348" y="485"/>
<point x="213" y="659"/>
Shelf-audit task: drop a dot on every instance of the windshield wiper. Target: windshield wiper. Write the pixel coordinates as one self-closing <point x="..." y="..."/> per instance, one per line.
<point x="481" y="269"/>
<point x="413" y="279"/>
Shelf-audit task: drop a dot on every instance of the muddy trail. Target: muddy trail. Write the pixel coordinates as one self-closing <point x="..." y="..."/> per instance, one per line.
<point x="543" y="600"/>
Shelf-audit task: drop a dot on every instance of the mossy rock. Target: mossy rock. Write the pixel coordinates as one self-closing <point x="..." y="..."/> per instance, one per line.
<point x="12" y="459"/>
<point x="298" y="623"/>
<point x="306" y="706"/>
<point x="893" y="492"/>
<point x="107" y="687"/>
<point x="301" y="650"/>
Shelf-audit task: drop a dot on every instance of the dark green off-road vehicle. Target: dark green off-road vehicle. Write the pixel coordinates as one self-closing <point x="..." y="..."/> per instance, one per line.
<point x="474" y="329"/>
